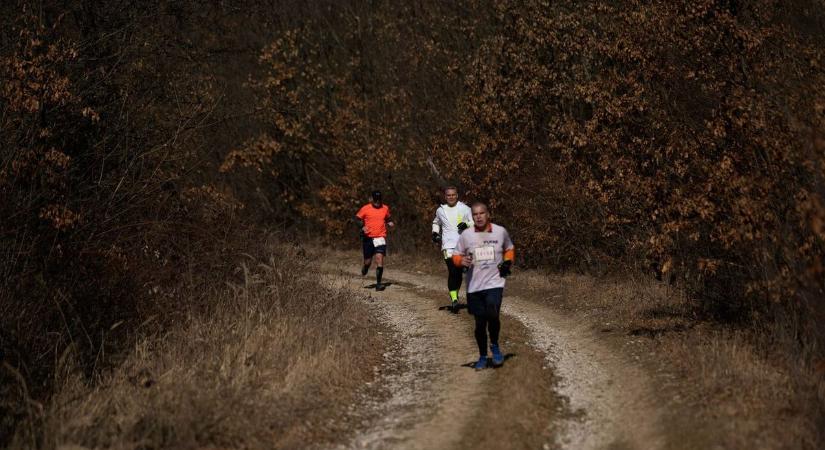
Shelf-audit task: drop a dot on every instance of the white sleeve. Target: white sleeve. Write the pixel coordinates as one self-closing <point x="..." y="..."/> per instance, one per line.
<point x="437" y="222"/>
<point x="468" y="213"/>
<point x="508" y="243"/>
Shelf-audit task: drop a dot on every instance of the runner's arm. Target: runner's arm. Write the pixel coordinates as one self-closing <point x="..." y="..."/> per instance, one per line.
<point x="505" y="266"/>
<point x="509" y="247"/>
<point x="462" y="260"/>
<point x="437" y="227"/>
<point x="509" y="256"/>
<point x="359" y="220"/>
<point x="468" y="216"/>
<point x="459" y="259"/>
<point x="362" y="228"/>
<point x="388" y="219"/>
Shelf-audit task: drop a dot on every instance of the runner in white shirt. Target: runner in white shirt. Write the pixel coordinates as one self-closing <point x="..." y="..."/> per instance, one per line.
<point x="451" y="219"/>
<point x="488" y="252"/>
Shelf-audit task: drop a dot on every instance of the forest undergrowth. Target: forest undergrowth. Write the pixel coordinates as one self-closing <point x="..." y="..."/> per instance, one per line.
<point x="269" y="358"/>
<point x="144" y="146"/>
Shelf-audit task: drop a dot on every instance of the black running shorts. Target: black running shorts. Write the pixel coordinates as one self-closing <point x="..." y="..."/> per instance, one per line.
<point x="485" y="303"/>
<point x="370" y="249"/>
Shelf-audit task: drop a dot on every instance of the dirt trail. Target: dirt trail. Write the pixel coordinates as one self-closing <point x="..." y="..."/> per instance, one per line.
<point x="587" y="400"/>
<point x="429" y="390"/>
<point x="610" y="393"/>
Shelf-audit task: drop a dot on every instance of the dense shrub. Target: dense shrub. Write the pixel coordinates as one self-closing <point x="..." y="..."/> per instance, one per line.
<point x="682" y="136"/>
<point x="353" y="99"/>
<point x="691" y="127"/>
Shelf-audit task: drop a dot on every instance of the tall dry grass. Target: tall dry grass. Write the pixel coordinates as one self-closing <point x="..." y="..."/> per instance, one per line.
<point x="268" y="362"/>
<point x="752" y="384"/>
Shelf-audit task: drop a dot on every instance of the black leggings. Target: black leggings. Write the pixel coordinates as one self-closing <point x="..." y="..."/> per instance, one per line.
<point x="454" y="277"/>
<point x="484" y="323"/>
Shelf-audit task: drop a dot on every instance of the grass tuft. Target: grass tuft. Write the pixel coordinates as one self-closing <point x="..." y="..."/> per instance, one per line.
<point x="268" y="362"/>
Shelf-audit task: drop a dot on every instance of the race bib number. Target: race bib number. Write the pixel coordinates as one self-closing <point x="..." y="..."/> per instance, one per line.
<point x="377" y="242"/>
<point x="482" y="254"/>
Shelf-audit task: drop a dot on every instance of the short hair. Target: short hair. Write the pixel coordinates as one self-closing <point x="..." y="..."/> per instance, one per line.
<point x="449" y="187"/>
<point x="480" y="203"/>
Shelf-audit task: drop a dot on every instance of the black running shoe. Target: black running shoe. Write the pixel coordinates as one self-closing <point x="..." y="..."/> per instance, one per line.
<point x="380" y="287"/>
<point x="454" y="307"/>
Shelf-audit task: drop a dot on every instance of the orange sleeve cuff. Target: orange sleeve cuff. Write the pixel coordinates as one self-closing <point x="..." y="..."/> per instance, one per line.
<point x="457" y="260"/>
<point x="510" y="255"/>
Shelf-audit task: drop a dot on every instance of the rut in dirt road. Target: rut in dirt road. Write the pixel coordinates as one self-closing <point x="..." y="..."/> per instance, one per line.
<point x="561" y="389"/>
<point x="429" y="390"/>
<point x="614" y="397"/>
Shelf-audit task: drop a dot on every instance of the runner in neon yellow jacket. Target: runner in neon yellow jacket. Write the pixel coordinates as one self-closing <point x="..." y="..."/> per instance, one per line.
<point x="451" y="219"/>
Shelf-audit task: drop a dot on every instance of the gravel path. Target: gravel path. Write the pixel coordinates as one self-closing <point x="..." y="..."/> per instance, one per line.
<point x="429" y="389"/>
<point x="431" y="392"/>
<point x="607" y="393"/>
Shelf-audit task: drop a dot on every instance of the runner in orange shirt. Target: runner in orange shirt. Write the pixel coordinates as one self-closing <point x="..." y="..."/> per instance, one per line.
<point x="373" y="219"/>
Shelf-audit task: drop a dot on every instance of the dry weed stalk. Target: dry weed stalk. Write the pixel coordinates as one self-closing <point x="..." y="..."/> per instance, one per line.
<point x="266" y="363"/>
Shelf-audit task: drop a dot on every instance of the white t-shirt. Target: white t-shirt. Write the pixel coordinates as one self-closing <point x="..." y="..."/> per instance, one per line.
<point x="487" y="248"/>
<point x="446" y="222"/>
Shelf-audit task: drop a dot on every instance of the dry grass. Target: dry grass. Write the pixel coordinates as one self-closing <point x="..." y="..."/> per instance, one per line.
<point x="752" y="396"/>
<point x="269" y="362"/>
<point x="752" y="385"/>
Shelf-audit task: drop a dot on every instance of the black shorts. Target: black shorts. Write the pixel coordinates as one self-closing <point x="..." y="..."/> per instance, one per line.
<point x="370" y="249"/>
<point x="485" y="303"/>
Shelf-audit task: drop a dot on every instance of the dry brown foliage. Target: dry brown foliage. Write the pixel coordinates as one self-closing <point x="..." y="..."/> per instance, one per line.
<point x="687" y="127"/>
<point x="685" y="136"/>
<point x="682" y="136"/>
<point x="250" y="367"/>
<point x="351" y="99"/>
<point x="104" y="113"/>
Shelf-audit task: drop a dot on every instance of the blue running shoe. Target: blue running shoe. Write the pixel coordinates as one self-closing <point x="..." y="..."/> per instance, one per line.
<point x="481" y="364"/>
<point x="498" y="358"/>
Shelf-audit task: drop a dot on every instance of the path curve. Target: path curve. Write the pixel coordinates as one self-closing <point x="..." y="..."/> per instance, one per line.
<point x="431" y="393"/>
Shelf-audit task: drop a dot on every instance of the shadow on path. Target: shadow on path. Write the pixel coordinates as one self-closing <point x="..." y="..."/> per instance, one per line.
<point x="450" y="309"/>
<point x="373" y="285"/>
<point x="507" y="356"/>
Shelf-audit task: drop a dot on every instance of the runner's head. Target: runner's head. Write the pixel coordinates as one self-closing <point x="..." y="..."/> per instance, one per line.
<point x="481" y="216"/>
<point x="376" y="198"/>
<point x="451" y="195"/>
